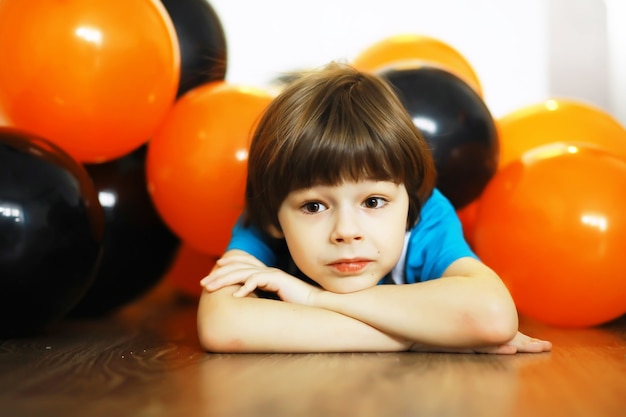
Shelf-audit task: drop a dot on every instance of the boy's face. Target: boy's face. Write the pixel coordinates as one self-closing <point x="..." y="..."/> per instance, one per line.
<point x="348" y="236"/>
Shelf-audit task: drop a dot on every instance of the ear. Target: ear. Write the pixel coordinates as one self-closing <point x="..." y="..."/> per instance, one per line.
<point x="274" y="232"/>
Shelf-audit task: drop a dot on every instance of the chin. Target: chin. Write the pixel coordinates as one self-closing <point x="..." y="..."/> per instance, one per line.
<point x="348" y="285"/>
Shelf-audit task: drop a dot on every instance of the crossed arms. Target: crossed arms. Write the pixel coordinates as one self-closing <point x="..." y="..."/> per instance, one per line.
<point x="467" y="310"/>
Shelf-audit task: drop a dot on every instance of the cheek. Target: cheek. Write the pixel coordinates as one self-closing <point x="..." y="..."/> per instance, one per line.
<point x="302" y="244"/>
<point x="393" y="242"/>
<point x="392" y="248"/>
<point x="304" y="256"/>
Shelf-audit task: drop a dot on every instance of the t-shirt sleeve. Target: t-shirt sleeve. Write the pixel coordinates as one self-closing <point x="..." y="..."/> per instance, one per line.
<point x="436" y="241"/>
<point x="252" y="240"/>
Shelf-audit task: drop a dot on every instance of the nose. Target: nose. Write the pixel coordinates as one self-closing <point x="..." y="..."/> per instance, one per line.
<point x="346" y="228"/>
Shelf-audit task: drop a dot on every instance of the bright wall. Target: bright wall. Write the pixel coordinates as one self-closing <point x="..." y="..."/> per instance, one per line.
<point x="523" y="51"/>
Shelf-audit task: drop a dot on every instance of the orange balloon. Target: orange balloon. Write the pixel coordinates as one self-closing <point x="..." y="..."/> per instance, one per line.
<point x="411" y="50"/>
<point x="95" y="77"/>
<point x="553" y="225"/>
<point x="188" y="268"/>
<point x="467" y="216"/>
<point x="558" y="121"/>
<point x="196" y="163"/>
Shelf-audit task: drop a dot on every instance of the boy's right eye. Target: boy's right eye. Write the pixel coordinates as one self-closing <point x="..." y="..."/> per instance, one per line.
<point x="313" y="207"/>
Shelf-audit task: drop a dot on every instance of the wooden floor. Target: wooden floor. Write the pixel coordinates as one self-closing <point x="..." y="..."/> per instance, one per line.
<point x="145" y="361"/>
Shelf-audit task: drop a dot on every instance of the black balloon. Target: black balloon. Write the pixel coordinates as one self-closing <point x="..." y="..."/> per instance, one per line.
<point x="203" y="49"/>
<point x="138" y="246"/>
<point x="457" y="124"/>
<point x="51" y="233"/>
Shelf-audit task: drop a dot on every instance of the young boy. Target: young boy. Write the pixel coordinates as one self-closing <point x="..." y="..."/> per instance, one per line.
<point x="340" y="198"/>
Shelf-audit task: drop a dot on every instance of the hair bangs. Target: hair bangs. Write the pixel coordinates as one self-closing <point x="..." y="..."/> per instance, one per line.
<point x="335" y="158"/>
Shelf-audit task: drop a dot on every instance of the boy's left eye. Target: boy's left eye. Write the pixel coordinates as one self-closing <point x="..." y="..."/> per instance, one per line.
<point x="313" y="207"/>
<point x="374" y="202"/>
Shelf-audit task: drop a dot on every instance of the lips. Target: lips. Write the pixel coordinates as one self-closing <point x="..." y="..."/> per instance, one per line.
<point x="348" y="266"/>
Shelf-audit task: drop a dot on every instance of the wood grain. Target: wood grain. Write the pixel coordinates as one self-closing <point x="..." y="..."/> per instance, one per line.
<point x="146" y="361"/>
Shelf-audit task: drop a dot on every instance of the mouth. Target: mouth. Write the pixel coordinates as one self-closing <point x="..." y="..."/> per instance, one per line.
<point x="349" y="266"/>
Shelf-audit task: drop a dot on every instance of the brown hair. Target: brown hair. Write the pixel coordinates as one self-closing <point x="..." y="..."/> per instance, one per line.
<point x="329" y="126"/>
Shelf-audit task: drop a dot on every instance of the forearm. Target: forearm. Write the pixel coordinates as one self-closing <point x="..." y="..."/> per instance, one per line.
<point x="250" y="324"/>
<point x="448" y="312"/>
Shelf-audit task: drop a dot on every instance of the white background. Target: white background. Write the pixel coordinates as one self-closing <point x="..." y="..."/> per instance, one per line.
<point x="523" y="51"/>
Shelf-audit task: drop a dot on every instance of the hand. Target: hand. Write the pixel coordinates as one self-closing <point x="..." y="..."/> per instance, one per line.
<point x="250" y="273"/>
<point x="519" y="344"/>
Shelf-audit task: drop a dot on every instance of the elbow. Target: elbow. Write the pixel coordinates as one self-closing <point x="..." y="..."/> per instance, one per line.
<point x="498" y="323"/>
<point x="215" y="338"/>
<point x="216" y="342"/>
<point x="211" y="338"/>
<point x="214" y="333"/>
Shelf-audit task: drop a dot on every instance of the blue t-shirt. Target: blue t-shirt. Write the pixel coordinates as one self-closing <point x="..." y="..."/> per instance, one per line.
<point x="429" y="247"/>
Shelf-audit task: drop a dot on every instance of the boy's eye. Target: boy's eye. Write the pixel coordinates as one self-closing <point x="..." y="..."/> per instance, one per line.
<point x="374" y="202"/>
<point x="313" y="207"/>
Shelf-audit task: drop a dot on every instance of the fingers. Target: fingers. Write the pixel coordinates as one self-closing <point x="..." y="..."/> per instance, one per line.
<point x="235" y="268"/>
<point x="527" y="344"/>
<point x="239" y="258"/>
<point x="258" y="280"/>
<point x="227" y="275"/>
<point x="246" y="289"/>
<point x="238" y="269"/>
<point x="533" y="345"/>
<point x="520" y="344"/>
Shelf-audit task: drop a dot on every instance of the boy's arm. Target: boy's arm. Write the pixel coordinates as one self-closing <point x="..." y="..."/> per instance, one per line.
<point x="468" y="307"/>
<point x="467" y="310"/>
<point x="249" y="324"/>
